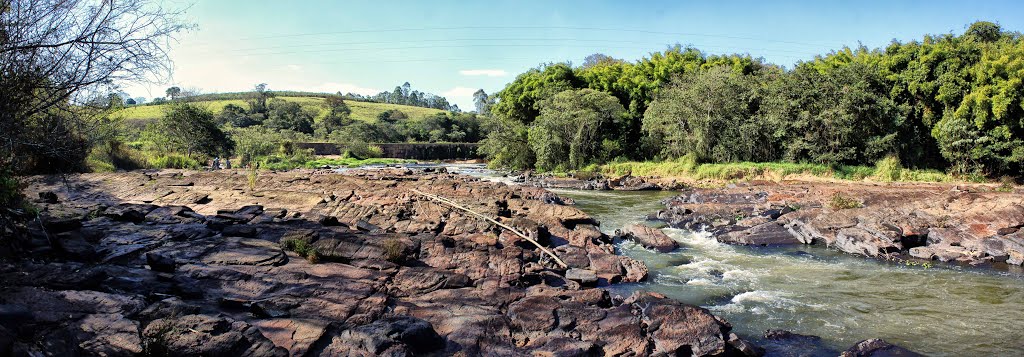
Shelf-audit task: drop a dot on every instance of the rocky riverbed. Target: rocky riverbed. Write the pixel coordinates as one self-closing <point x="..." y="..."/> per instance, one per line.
<point x="968" y="224"/>
<point x="320" y="263"/>
<point x="311" y="263"/>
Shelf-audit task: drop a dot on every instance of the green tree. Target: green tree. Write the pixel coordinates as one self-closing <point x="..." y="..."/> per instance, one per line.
<point x="258" y="99"/>
<point x="191" y="129"/>
<point x="285" y="115"/>
<point x="391" y="116"/>
<point x="568" y="133"/>
<point x="173" y="92"/>
<point x="518" y="101"/>
<point x="507" y="144"/>
<point x="713" y="116"/>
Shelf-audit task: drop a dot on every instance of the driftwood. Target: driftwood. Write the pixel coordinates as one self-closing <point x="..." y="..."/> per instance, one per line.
<point x="493" y="221"/>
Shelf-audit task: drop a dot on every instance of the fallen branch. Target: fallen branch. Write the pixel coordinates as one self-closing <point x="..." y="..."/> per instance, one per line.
<point x="491" y="220"/>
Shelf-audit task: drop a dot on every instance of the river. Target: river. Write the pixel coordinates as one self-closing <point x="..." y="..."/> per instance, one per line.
<point x="941" y="310"/>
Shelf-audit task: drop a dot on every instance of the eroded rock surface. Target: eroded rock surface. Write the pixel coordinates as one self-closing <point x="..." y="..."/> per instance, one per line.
<point x="969" y="224"/>
<point x="315" y="263"/>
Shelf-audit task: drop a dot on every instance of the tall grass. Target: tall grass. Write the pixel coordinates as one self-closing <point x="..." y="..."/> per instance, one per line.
<point x="888" y="169"/>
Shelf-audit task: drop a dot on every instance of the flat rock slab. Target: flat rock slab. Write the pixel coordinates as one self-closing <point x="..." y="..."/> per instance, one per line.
<point x="246" y="251"/>
<point x="651" y="238"/>
<point x="769" y="233"/>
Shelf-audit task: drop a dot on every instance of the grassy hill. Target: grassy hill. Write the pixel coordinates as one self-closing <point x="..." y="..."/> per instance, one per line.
<point x="364" y="111"/>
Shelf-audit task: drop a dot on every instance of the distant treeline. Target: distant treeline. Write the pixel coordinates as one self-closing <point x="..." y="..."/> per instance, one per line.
<point x="947" y="101"/>
<point x="403" y="95"/>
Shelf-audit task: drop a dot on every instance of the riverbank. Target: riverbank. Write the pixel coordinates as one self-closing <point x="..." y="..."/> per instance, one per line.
<point x="969" y="224"/>
<point x="321" y="263"/>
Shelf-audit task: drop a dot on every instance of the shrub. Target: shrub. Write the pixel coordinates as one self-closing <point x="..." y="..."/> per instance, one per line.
<point x="888" y="169"/>
<point x="174" y="161"/>
<point x="10" y="189"/>
<point x="392" y="250"/>
<point x="302" y="248"/>
<point x="840" y="201"/>
<point x="114" y="155"/>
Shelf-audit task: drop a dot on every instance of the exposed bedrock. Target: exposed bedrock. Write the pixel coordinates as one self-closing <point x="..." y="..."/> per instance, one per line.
<point x="967" y="224"/>
<point x="310" y="263"/>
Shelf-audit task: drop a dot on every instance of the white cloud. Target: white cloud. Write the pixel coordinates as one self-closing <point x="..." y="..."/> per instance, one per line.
<point x="484" y="72"/>
<point x="293" y="67"/>
<point x="459" y="92"/>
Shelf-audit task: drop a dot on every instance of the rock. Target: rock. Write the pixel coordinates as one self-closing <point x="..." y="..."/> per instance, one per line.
<point x="48" y="197"/>
<point x="75" y="247"/>
<point x="13" y="316"/>
<point x="583" y="276"/>
<point x="420" y="280"/>
<point x="862" y="242"/>
<point x="878" y="348"/>
<point x="240" y="230"/>
<point x="943" y="253"/>
<point x="651" y="238"/>
<point x="391" y="336"/>
<point x="246" y="251"/>
<point x="535" y="313"/>
<point x="744" y="347"/>
<point x="329" y="221"/>
<point x="160" y="263"/>
<point x="770" y="233"/>
<point x="678" y="328"/>
<point x="295" y="335"/>
<point x="171" y="215"/>
<point x="129" y="212"/>
<point x="787" y="344"/>
<point x="108" y="335"/>
<point x="366" y="226"/>
<point x="56" y="225"/>
<point x="207" y="336"/>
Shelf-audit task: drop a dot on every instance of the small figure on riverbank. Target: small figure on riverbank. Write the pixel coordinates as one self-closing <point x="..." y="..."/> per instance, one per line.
<point x="227" y="163"/>
<point x="216" y="163"/>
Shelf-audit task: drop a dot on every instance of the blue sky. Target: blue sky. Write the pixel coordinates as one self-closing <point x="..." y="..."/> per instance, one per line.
<point x="452" y="48"/>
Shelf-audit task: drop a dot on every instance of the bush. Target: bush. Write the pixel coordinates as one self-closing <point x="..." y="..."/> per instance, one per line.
<point x="302" y="248"/>
<point x="393" y="250"/>
<point x="10" y="189"/>
<point x="114" y="155"/>
<point x="359" y="149"/>
<point x="888" y="169"/>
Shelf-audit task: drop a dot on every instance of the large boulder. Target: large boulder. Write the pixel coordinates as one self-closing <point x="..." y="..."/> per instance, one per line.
<point x="650" y="238"/>
<point x="769" y="233"/>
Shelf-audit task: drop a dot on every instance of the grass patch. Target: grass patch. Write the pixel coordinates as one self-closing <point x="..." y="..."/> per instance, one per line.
<point x="840" y="201"/>
<point x="302" y="248"/>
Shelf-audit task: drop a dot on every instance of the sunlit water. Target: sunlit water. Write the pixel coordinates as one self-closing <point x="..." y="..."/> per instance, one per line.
<point x="941" y="311"/>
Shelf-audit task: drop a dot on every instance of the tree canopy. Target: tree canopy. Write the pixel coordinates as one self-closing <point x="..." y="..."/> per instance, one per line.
<point x="946" y="101"/>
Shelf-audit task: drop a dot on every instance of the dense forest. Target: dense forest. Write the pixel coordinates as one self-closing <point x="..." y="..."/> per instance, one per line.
<point x="951" y="102"/>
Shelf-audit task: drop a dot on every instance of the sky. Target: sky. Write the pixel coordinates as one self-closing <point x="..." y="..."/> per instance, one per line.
<point x="453" y="48"/>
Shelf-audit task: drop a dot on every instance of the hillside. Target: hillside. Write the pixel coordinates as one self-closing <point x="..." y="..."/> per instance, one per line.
<point x="364" y="111"/>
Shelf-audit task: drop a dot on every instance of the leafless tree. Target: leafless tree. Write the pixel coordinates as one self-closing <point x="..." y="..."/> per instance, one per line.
<point x="57" y="54"/>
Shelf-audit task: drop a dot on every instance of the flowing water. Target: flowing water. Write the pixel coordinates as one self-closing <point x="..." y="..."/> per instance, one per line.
<point x="941" y="310"/>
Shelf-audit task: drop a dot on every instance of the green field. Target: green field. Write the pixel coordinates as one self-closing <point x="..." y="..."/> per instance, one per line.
<point x="364" y="111"/>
